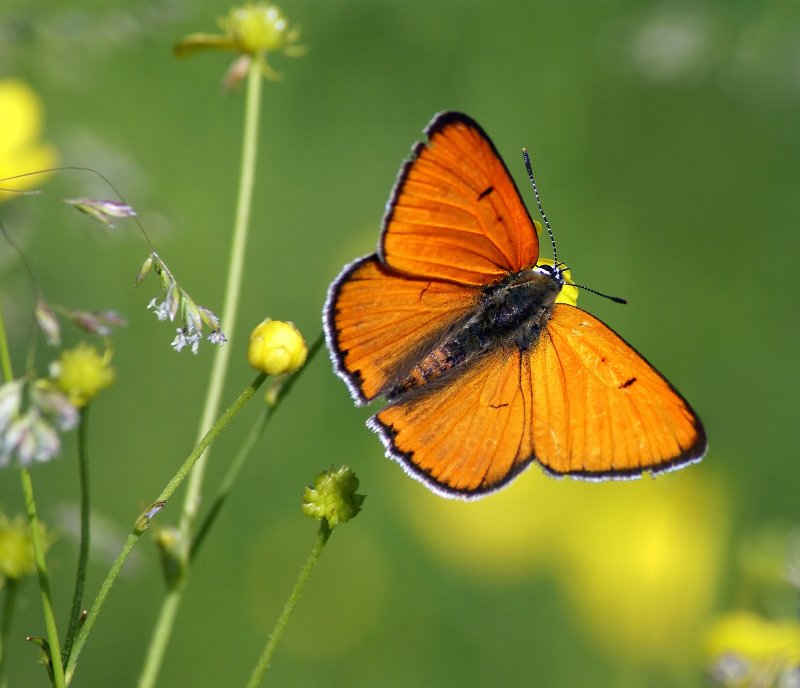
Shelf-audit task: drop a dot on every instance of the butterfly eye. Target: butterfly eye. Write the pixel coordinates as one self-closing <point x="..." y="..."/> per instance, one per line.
<point x="551" y="271"/>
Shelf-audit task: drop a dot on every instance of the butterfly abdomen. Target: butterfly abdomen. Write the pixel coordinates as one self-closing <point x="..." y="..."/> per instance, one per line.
<point x="510" y="314"/>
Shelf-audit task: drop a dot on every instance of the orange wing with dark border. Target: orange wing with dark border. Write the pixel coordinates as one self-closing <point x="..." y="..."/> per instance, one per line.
<point x="600" y="410"/>
<point x="467" y="437"/>
<point x="455" y="213"/>
<point x="454" y="223"/>
<point x="582" y="402"/>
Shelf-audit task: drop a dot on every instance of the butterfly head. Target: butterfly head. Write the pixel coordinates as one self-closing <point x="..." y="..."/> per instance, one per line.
<point x="555" y="272"/>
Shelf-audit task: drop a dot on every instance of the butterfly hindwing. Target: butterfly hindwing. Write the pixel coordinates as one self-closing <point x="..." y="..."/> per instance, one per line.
<point x="600" y="410"/>
<point x="467" y="437"/>
<point x="582" y="402"/>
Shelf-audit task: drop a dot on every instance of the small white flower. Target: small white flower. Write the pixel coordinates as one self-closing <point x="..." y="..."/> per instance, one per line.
<point x="22" y="440"/>
<point x="185" y="338"/>
<point x="217" y="337"/>
<point x="180" y="340"/>
<point x="57" y="406"/>
<point x="32" y="435"/>
<point x="10" y="403"/>
<point x="160" y="309"/>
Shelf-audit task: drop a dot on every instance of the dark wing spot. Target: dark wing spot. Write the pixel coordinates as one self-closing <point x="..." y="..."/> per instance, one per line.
<point x="497" y="406"/>
<point x="627" y="383"/>
<point x="483" y="194"/>
<point x="422" y="293"/>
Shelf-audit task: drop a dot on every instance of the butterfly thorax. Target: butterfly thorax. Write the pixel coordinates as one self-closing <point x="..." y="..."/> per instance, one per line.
<point x="510" y="314"/>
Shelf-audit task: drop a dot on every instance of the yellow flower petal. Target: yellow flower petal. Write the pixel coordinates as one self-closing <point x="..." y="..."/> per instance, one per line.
<point x="20" y="126"/>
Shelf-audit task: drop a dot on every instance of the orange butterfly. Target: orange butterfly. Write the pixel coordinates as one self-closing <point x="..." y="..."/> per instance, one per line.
<point x="453" y="323"/>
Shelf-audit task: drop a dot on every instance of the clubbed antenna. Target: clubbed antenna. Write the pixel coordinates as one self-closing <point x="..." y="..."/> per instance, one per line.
<point x="527" y="158"/>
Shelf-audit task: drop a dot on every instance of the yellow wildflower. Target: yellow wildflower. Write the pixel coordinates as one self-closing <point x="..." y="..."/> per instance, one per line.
<point x="81" y="373"/>
<point x="21" y="150"/>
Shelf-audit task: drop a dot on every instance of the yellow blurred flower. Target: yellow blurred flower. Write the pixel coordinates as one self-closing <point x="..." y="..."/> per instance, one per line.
<point x="500" y="538"/>
<point x="81" y="373"/>
<point x="21" y="150"/>
<point x="252" y="29"/>
<point x="16" y="548"/>
<point x="259" y="28"/>
<point x="637" y="561"/>
<point x="744" y="649"/>
<point x="641" y="564"/>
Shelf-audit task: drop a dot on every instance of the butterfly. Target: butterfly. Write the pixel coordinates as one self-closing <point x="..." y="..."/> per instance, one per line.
<point x="457" y="327"/>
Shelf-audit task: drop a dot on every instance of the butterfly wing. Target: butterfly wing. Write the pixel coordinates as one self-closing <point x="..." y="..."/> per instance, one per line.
<point x="377" y="322"/>
<point x="600" y="410"/>
<point x="455" y="222"/>
<point x="455" y="213"/>
<point x="582" y="402"/>
<point x="467" y="437"/>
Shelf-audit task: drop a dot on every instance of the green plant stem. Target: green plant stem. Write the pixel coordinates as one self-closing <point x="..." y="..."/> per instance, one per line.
<point x="239" y="460"/>
<point x="323" y="534"/>
<point x="143" y="520"/>
<point x="10" y="596"/>
<point x="83" y="547"/>
<point x="161" y="634"/>
<point x="44" y="582"/>
<point x="5" y="358"/>
<point x="191" y="505"/>
<point x="9" y="604"/>
<point x="233" y="287"/>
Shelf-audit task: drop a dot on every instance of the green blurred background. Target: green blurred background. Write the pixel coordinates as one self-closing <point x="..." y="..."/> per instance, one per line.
<point x="666" y="145"/>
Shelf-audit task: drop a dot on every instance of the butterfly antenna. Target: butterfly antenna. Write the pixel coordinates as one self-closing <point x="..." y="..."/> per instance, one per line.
<point x="615" y="299"/>
<point x="527" y="158"/>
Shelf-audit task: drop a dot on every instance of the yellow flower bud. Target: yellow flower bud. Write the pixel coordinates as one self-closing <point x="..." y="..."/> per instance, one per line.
<point x="276" y="347"/>
<point x="333" y="497"/>
<point x="259" y="28"/>
<point x="81" y="373"/>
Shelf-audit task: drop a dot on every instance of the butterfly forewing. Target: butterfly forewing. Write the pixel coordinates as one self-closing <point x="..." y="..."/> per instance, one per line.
<point x="379" y="323"/>
<point x="455" y="213"/>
